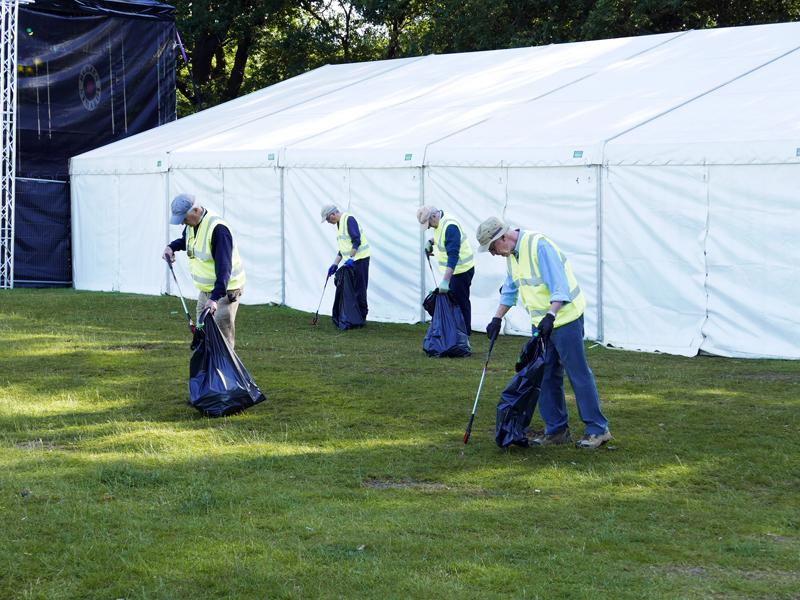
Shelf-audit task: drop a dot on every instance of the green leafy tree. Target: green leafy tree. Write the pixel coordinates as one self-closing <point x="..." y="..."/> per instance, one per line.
<point x="219" y="37"/>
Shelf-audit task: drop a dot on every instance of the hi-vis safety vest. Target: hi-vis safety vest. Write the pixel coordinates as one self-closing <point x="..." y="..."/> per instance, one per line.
<point x="201" y="263"/>
<point x="534" y="293"/>
<point x="346" y="244"/>
<point x="466" y="260"/>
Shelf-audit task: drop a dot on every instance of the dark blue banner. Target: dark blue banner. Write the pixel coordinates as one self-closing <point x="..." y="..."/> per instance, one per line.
<point x="90" y="72"/>
<point x="86" y="81"/>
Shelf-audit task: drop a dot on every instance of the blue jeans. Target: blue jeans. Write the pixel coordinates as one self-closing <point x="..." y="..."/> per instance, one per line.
<point x="565" y="352"/>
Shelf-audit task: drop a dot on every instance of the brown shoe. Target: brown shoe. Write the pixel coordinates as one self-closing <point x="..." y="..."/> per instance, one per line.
<point x="594" y="441"/>
<point x="553" y="439"/>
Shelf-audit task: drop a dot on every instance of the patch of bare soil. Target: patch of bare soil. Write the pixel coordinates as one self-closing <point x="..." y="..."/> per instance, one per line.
<point x="39" y="444"/>
<point x="404" y="484"/>
<point x="135" y="347"/>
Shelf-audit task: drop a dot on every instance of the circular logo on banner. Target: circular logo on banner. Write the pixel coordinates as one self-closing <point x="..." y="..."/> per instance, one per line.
<point x="89" y="87"/>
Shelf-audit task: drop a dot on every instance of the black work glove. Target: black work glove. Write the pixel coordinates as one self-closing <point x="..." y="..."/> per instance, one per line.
<point x="197" y="338"/>
<point x="546" y="326"/>
<point x="527" y="354"/>
<point x="493" y="328"/>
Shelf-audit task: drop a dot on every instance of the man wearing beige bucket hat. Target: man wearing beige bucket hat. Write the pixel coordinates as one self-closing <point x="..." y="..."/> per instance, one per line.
<point x="353" y="247"/>
<point x="541" y="275"/>
<point x="450" y="245"/>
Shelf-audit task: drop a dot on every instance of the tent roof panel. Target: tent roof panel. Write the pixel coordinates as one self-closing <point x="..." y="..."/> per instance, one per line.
<point x="754" y="119"/>
<point x="246" y="110"/>
<point x="619" y="97"/>
<point x="482" y="108"/>
<point x="466" y="89"/>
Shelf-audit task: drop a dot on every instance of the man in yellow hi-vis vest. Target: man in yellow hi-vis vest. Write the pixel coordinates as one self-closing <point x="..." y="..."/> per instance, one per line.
<point x="451" y="247"/>
<point x="214" y="261"/>
<point x="353" y="244"/>
<point x="542" y="276"/>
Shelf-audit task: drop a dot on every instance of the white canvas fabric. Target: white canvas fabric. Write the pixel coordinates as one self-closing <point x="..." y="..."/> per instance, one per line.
<point x="653" y="269"/>
<point x="95" y="231"/>
<point x="752" y="261"/>
<point x="633" y="154"/>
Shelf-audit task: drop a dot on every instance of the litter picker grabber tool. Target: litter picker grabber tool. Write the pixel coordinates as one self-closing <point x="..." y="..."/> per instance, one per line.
<point x="478" y="395"/>
<point x="315" y="320"/>
<point x="431" y="268"/>
<point x="180" y="293"/>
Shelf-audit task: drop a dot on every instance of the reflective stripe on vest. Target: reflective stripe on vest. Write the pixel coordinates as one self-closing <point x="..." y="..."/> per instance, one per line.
<point x="346" y="244"/>
<point x="201" y="262"/>
<point x="534" y="293"/>
<point x="466" y="259"/>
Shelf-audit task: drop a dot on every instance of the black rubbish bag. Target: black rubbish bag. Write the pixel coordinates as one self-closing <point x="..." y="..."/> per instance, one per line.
<point x="219" y="385"/>
<point x="447" y="333"/>
<point x="518" y="400"/>
<point x="429" y="304"/>
<point x="346" y="312"/>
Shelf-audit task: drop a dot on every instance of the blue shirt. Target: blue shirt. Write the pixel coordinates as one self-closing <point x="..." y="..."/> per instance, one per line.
<point x="551" y="268"/>
<point x="221" y="252"/>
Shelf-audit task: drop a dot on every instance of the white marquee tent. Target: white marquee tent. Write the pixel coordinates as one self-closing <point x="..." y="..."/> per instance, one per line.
<point x="661" y="164"/>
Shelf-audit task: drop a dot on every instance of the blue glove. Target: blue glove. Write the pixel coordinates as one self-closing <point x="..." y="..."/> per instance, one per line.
<point x="332" y="270"/>
<point x="444" y="286"/>
<point x="349" y="262"/>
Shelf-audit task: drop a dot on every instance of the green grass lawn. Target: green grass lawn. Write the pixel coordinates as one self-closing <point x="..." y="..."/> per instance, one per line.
<point x="352" y="480"/>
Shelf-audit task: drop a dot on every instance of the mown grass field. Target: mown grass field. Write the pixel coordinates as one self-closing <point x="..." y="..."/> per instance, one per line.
<point x="352" y="480"/>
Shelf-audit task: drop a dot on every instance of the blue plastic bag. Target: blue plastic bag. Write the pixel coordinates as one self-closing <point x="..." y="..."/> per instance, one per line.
<point x="447" y="333"/>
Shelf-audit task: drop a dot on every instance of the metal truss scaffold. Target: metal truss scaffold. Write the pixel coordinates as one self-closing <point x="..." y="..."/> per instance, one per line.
<point x="9" y="10"/>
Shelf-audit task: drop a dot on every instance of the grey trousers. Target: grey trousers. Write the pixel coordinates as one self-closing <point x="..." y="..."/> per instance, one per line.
<point x="225" y="317"/>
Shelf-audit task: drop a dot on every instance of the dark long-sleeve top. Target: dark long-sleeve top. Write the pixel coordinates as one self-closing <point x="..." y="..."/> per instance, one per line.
<point x="353" y="232"/>
<point x="452" y="244"/>
<point x="221" y="251"/>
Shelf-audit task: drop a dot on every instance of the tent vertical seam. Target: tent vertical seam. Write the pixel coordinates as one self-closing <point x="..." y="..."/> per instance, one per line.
<point x="505" y="172"/>
<point x="118" y="279"/>
<point x="599" y="248"/>
<point x="422" y="175"/>
<point x="282" y="171"/>
<point x="707" y="182"/>
<point x="222" y="182"/>
<point x="166" y="224"/>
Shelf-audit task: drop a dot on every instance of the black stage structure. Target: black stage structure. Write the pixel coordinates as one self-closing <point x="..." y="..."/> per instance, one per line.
<point x="90" y="72"/>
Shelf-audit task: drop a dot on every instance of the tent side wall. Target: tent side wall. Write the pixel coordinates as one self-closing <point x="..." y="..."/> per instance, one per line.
<point x="558" y="201"/>
<point x="693" y="252"/>
<point x="385" y="202"/>
<point x="249" y="199"/>
<point x="116" y="220"/>
<point x="753" y="259"/>
<point x="654" y="222"/>
<point x="682" y="256"/>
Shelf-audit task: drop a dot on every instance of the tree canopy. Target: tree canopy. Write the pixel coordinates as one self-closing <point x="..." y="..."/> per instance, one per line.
<point x="237" y="46"/>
